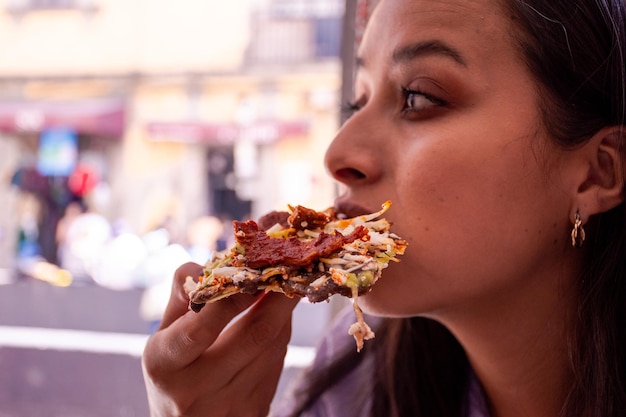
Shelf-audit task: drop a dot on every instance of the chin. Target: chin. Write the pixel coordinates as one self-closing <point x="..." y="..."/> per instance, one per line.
<point x="390" y="299"/>
<point x="378" y="303"/>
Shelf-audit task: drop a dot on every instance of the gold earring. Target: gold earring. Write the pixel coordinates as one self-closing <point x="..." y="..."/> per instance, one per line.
<point x="578" y="233"/>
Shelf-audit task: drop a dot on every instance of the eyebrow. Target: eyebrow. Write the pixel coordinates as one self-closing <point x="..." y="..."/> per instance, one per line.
<point x="432" y="47"/>
<point x="418" y="49"/>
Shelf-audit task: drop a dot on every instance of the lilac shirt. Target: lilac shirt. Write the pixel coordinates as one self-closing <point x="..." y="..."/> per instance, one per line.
<point x="354" y="388"/>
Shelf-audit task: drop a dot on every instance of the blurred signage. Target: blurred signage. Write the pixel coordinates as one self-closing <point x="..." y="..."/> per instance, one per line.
<point x="227" y="133"/>
<point x="58" y="152"/>
<point x="97" y="116"/>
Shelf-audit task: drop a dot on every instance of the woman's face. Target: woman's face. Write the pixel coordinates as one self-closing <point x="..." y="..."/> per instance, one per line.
<point x="448" y="129"/>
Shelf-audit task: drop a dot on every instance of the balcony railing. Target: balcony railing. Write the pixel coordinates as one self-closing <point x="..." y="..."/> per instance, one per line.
<point x="296" y="31"/>
<point x="294" y="40"/>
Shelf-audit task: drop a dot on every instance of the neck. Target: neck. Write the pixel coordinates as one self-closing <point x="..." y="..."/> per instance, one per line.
<point x="517" y="346"/>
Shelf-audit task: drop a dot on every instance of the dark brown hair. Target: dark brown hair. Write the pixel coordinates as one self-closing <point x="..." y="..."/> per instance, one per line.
<point x="575" y="50"/>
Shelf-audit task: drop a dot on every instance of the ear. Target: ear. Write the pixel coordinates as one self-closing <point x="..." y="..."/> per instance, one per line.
<point x="600" y="173"/>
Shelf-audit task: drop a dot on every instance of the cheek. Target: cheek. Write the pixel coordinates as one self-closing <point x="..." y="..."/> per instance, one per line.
<point x="451" y="191"/>
<point x="470" y="221"/>
<point x="457" y="190"/>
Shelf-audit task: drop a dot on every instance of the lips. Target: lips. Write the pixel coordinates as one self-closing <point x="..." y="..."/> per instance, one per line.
<point x="348" y="209"/>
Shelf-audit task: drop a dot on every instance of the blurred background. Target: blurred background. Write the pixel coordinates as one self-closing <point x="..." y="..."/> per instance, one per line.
<point x="132" y="133"/>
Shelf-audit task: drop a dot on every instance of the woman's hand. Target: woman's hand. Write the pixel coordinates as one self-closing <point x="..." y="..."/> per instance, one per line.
<point x="194" y="366"/>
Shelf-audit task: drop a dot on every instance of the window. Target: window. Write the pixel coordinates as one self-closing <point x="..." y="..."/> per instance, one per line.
<point x="327" y="37"/>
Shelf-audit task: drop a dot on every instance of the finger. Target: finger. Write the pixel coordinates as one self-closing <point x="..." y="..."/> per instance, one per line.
<point x="269" y="364"/>
<point x="262" y="393"/>
<point x="178" y="304"/>
<point x="185" y="339"/>
<point x="255" y="332"/>
<point x="256" y="381"/>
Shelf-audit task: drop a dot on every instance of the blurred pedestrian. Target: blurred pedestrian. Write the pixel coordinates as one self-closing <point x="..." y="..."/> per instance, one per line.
<point x="84" y="237"/>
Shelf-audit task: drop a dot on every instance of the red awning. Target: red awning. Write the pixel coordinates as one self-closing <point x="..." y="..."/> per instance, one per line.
<point x="101" y="116"/>
<point x="226" y="133"/>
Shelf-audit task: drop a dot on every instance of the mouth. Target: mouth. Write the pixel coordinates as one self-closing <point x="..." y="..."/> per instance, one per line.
<point x="347" y="209"/>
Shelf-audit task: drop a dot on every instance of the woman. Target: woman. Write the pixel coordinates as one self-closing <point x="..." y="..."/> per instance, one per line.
<point x="495" y="127"/>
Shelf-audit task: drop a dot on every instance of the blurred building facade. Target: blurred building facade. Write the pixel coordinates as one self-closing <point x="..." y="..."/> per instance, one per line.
<point x="158" y="111"/>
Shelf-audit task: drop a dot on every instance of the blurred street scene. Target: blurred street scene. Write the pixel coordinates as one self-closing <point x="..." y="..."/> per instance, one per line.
<point x="132" y="134"/>
<point x="75" y="351"/>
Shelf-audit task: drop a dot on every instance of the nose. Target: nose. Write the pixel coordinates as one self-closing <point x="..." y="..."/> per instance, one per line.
<point x="352" y="157"/>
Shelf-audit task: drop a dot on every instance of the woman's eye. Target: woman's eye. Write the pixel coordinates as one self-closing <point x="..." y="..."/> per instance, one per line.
<point x="351" y="107"/>
<point x="415" y="101"/>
